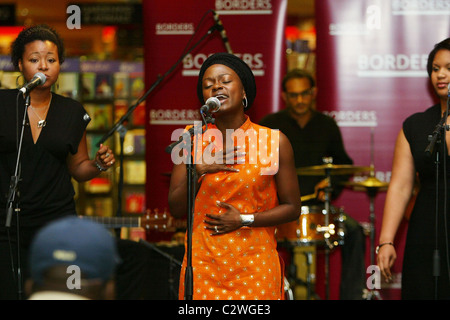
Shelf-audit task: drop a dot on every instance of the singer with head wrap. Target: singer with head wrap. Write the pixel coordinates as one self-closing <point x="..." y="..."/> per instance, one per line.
<point x="426" y="248"/>
<point x="242" y="195"/>
<point x="53" y="151"/>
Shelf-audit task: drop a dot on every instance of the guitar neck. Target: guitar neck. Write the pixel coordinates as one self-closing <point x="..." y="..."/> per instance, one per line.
<point x="116" y="222"/>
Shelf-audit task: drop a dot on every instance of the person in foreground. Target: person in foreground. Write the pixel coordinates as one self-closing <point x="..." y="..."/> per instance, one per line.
<point x="427" y="237"/>
<point x="72" y="259"/>
<point x="239" y="200"/>
<point x="53" y="151"/>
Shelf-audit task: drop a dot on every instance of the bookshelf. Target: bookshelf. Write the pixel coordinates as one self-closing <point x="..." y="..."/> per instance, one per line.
<point x="106" y="89"/>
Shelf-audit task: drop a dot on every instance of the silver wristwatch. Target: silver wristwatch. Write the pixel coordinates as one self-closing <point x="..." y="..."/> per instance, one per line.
<point x="247" y="219"/>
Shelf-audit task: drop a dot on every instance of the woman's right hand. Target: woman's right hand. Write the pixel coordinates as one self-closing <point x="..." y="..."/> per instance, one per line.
<point x="386" y="258"/>
<point x="209" y="166"/>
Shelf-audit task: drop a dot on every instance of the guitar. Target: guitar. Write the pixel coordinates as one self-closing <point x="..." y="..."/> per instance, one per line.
<point x="148" y="221"/>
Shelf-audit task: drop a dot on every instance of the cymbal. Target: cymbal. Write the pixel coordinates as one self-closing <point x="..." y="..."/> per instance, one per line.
<point x="370" y="183"/>
<point x="332" y="169"/>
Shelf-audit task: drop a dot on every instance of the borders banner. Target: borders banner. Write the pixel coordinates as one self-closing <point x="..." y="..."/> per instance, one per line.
<point x="371" y="75"/>
<point x="171" y="29"/>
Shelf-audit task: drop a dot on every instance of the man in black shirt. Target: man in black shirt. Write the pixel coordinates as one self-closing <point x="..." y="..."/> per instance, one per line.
<point x="313" y="136"/>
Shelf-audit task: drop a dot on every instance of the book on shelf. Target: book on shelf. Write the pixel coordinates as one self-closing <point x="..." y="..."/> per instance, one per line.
<point x="139" y="115"/>
<point x="135" y="202"/>
<point x="11" y="80"/>
<point x="121" y="85"/>
<point x="103" y="86"/>
<point x="120" y="109"/>
<point x="134" y="171"/>
<point x="100" y="184"/>
<point x="92" y="140"/>
<point x="67" y="85"/>
<point x="133" y="143"/>
<point x="99" y="206"/>
<point x="88" y="85"/>
<point x="137" y="85"/>
<point x="101" y="116"/>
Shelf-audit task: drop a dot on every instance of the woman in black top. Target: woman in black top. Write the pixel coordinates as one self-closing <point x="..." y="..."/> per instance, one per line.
<point x="54" y="150"/>
<point x="425" y="234"/>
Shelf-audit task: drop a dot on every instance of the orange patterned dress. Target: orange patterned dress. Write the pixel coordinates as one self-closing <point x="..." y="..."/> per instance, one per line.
<point x="244" y="264"/>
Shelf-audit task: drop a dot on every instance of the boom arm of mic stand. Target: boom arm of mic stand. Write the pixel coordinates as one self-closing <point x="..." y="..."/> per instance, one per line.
<point x="154" y="85"/>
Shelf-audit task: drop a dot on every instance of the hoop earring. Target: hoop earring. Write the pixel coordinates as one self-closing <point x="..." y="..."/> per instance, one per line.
<point x="17" y="81"/>
<point x="245" y="102"/>
<point x="56" y="86"/>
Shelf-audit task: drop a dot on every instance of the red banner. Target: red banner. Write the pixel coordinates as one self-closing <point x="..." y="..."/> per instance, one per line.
<point x="171" y="29"/>
<point x="371" y="74"/>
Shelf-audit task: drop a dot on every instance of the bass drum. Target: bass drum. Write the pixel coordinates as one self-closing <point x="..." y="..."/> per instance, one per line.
<point x="310" y="228"/>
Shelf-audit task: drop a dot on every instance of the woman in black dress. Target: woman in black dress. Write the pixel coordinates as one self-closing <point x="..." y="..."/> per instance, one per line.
<point x="428" y="230"/>
<point x="54" y="151"/>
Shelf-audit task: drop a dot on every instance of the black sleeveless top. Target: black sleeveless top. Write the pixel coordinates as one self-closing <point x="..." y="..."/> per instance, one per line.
<point x="422" y="238"/>
<point x="45" y="189"/>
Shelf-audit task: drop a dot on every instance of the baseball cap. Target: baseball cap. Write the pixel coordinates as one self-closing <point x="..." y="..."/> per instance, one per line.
<point x="74" y="241"/>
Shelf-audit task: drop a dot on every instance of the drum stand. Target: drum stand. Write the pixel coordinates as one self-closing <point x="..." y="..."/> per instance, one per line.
<point x="327" y="229"/>
<point x="372" y="186"/>
<point x="372" y="192"/>
<point x="292" y="276"/>
<point x="310" y="293"/>
<point x="329" y="169"/>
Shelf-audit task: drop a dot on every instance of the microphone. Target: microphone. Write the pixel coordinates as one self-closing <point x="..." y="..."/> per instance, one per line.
<point x="222" y="31"/>
<point x="212" y="104"/>
<point x="38" y="79"/>
<point x="435" y="135"/>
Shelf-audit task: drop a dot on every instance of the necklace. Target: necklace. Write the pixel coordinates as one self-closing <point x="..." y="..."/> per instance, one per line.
<point x="42" y="122"/>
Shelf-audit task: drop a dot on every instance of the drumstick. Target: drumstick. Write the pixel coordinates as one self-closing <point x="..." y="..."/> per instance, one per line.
<point x="308" y="197"/>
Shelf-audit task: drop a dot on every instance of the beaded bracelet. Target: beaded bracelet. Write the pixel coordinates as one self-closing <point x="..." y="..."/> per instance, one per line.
<point x="99" y="167"/>
<point x="382" y="244"/>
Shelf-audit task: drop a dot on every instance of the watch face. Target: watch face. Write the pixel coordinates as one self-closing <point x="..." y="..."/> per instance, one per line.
<point x="247" y="219"/>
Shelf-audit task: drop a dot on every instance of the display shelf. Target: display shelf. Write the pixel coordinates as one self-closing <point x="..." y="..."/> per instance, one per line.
<point x="106" y="89"/>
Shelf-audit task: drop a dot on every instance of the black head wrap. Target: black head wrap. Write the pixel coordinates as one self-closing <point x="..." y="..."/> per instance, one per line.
<point x="240" y="67"/>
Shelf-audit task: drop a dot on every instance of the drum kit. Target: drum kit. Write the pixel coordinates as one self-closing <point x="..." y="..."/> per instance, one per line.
<point x="323" y="225"/>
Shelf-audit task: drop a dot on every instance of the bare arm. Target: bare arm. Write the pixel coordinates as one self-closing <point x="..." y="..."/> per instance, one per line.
<point x="397" y="198"/>
<point x="82" y="168"/>
<point x="288" y="195"/>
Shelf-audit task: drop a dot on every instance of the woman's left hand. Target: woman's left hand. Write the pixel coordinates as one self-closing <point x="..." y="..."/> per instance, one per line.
<point x="226" y="222"/>
<point x="105" y="157"/>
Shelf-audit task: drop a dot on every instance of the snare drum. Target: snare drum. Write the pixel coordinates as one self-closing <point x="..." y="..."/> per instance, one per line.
<point x="310" y="228"/>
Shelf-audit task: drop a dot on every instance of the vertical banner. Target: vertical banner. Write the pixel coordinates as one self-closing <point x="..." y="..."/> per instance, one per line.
<point x="255" y="30"/>
<point x="371" y="75"/>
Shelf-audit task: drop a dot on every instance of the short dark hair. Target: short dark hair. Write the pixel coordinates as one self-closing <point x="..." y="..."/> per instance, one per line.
<point x="443" y="45"/>
<point x="39" y="32"/>
<point x="298" y="73"/>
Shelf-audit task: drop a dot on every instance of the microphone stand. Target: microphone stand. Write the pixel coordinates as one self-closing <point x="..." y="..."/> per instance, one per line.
<point x="12" y="201"/>
<point x="434" y="138"/>
<point x="118" y="126"/>
<point x="191" y="191"/>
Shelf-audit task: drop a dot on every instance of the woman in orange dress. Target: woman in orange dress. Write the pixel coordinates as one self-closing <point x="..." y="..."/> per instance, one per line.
<point x="247" y="185"/>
